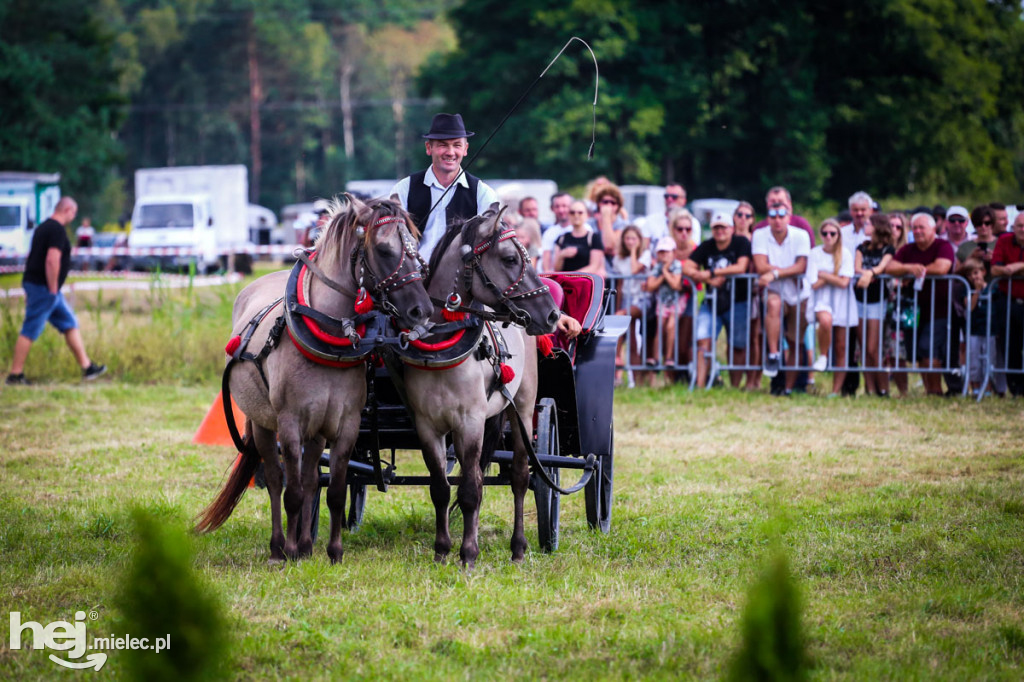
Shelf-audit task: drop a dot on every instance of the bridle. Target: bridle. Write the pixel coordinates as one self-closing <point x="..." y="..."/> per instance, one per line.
<point x="471" y="263"/>
<point x="380" y="288"/>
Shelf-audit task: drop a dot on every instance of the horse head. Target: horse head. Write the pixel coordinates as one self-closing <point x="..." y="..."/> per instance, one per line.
<point x="372" y="246"/>
<point x="390" y="261"/>
<point x="497" y="271"/>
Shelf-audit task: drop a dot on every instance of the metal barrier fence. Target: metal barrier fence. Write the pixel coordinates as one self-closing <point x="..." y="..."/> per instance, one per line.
<point x="926" y="327"/>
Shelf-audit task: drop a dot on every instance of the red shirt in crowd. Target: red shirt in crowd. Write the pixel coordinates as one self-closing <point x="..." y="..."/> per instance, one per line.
<point x="912" y="253"/>
<point x="1008" y="251"/>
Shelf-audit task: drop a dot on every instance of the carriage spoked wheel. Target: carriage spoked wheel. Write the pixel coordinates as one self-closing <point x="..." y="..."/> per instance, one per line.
<point x="548" y="500"/>
<point x="356" y="505"/>
<point x="598" y="492"/>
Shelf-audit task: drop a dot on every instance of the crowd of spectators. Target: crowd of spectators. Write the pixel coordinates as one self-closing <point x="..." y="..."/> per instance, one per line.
<point x="867" y="286"/>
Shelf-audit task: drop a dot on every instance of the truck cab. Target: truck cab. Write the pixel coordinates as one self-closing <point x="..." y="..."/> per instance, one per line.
<point x="170" y="221"/>
<point x="15" y="228"/>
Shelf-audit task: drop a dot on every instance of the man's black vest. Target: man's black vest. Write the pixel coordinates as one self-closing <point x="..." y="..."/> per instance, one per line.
<point x="462" y="206"/>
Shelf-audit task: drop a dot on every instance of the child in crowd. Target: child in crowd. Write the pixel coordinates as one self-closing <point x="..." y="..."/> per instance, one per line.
<point x="982" y="348"/>
<point x="666" y="281"/>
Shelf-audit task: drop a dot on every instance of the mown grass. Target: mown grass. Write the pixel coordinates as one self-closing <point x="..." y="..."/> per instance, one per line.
<point x="901" y="520"/>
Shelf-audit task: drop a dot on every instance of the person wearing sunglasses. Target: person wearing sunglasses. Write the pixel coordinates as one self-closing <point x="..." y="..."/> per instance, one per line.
<point x="780" y="256"/>
<point x="657" y="226"/>
<point x="780" y="195"/>
<point x="743" y="226"/>
<point x="984" y="220"/>
<point x="829" y="271"/>
<point x="957" y="226"/>
<point x="579" y="249"/>
<point x="610" y="219"/>
<point x="928" y="255"/>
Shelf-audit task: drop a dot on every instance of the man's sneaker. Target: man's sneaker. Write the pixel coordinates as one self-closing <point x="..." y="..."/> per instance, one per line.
<point x="93" y="371"/>
<point x="771" y="365"/>
<point x="820" y="364"/>
<point x="18" y="380"/>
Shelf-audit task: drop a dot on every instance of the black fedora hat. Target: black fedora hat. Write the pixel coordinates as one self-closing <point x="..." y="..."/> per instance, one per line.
<point x="447" y="127"/>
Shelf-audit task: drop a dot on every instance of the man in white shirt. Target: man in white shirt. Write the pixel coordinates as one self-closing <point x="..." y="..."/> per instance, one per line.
<point x="856" y="232"/>
<point x="780" y="257"/>
<point x="447" y="143"/>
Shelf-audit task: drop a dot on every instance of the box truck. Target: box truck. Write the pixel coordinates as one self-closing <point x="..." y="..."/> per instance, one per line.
<point x="26" y="199"/>
<point x="196" y="214"/>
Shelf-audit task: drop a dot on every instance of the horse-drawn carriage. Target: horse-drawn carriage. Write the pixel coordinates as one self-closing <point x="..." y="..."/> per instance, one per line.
<point x="573" y="420"/>
<point x="366" y="373"/>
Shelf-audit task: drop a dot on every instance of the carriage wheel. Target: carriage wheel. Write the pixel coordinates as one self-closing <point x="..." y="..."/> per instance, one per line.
<point x="598" y="492"/>
<point x="548" y="500"/>
<point x="356" y="505"/>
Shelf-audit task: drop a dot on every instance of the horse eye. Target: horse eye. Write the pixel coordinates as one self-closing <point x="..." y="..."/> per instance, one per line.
<point x="384" y="251"/>
<point x="509" y="260"/>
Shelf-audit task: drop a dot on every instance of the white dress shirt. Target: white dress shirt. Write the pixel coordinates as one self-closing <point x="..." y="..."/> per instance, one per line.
<point x="436" y="223"/>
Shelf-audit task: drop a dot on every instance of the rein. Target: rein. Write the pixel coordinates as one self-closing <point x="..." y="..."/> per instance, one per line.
<point x="471" y="258"/>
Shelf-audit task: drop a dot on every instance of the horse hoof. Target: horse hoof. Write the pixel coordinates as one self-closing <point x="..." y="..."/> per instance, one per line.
<point x="440" y="558"/>
<point x="274" y="562"/>
<point x="305" y="549"/>
<point x="335" y="554"/>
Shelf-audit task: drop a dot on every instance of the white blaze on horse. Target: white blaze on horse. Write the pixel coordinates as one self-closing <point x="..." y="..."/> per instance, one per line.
<point x="303" y="383"/>
<point x="479" y="262"/>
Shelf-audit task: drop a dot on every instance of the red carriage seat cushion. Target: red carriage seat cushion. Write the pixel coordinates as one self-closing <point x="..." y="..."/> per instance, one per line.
<point x="579" y="295"/>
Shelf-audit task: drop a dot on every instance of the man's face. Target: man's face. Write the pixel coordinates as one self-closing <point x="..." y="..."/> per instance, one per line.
<point x="560" y="207"/>
<point x="956" y="226"/>
<point x="940" y="225"/>
<point x="778" y="216"/>
<point x="446" y="155"/>
<point x="924" y="233"/>
<point x="1001" y="220"/>
<point x="1018" y="228"/>
<point x="779" y="198"/>
<point x="675" y="197"/>
<point x="528" y="208"/>
<point x="861" y="214"/>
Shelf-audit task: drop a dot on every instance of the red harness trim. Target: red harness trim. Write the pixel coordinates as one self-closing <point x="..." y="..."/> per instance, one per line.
<point x="320" y="361"/>
<point x="440" y="345"/>
<point x="315" y="328"/>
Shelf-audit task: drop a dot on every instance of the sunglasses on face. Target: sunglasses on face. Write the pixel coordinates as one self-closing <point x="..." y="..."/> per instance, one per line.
<point x="829" y="233"/>
<point x="684" y="229"/>
<point x="895" y="226"/>
<point x="986" y="222"/>
<point x="780" y="212"/>
<point x="956" y="219"/>
<point x="744" y="215"/>
<point x="672" y="197"/>
<point x="610" y="201"/>
<point x="577" y="212"/>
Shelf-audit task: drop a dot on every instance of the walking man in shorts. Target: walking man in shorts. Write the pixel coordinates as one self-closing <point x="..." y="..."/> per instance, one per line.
<point x="47" y="267"/>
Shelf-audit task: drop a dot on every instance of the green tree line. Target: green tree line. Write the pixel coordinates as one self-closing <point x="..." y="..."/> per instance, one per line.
<point x="892" y="96"/>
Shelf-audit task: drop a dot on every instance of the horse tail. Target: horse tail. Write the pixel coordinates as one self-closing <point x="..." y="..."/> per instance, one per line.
<point x="494" y="427"/>
<point x="220" y="509"/>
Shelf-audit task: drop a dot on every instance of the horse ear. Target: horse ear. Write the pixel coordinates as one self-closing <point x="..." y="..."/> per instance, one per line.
<point x="396" y="199"/>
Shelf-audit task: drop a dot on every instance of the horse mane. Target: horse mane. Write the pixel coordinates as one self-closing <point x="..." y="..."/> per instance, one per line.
<point x="342" y="212"/>
<point x="465" y="228"/>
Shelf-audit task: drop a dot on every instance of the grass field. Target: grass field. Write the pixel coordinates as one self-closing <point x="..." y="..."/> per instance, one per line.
<point x="902" y="521"/>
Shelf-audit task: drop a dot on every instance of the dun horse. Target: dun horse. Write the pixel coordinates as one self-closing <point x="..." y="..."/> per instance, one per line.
<point x="483" y="262"/>
<point x="306" y="396"/>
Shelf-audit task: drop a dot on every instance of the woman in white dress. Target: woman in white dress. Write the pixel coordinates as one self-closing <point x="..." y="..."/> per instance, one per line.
<point x="832" y="305"/>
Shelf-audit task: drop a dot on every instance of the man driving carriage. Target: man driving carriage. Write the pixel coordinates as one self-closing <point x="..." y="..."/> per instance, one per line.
<point x="446" y="143"/>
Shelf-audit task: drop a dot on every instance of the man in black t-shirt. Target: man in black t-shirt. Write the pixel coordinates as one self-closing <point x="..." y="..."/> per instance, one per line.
<point x="46" y="268"/>
<point x="726" y="303"/>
